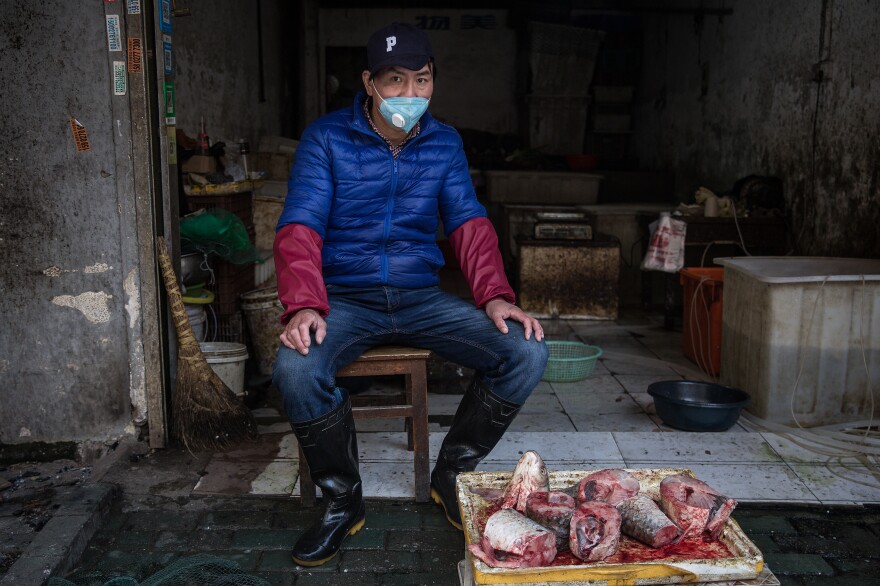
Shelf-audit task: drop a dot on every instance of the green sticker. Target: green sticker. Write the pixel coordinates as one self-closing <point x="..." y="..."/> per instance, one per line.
<point x="170" y="115"/>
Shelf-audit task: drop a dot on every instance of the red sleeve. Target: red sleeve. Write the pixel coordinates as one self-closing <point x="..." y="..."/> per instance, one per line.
<point x="476" y="248"/>
<point x="298" y="266"/>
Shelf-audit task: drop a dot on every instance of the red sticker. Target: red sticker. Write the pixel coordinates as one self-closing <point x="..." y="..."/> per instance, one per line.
<point x="135" y="52"/>
<point x="80" y="136"/>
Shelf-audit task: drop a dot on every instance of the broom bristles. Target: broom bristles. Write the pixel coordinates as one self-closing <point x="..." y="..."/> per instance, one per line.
<point x="206" y="414"/>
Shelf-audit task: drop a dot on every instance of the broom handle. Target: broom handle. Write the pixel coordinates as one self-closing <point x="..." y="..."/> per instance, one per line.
<point x="185" y="335"/>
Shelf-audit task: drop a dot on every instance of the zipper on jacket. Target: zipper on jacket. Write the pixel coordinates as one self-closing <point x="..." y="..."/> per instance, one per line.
<point x="389" y="209"/>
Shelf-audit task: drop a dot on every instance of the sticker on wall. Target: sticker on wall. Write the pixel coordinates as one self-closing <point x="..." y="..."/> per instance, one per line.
<point x="170" y="115"/>
<point x="80" y="136"/>
<point x="168" y="53"/>
<point x="120" y="80"/>
<point x="172" y="145"/>
<point x="133" y="6"/>
<point x="165" y="16"/>
<point x="114" y="33"/>
<point x="135" y="55"/>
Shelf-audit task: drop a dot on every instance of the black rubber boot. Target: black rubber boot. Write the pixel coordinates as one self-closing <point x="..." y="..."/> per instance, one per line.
<point x="329" y="444"/>
<point x="480" y="421"/>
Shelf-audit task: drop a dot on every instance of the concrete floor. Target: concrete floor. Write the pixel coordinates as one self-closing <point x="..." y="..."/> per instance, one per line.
<point x="607" y="420"/>
<point x="142" y="511"/>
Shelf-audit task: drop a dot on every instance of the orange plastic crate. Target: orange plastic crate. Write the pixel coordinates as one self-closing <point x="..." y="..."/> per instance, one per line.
<point x="701" y="335"/>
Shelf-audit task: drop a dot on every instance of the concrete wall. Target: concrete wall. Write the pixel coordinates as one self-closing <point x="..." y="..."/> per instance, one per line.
<point x="74" y="225"/>
<point x="738" y="95"/>
<point x="65" y="229"/>
<point x="476" y="80"/>
<point x="217" y="69"/>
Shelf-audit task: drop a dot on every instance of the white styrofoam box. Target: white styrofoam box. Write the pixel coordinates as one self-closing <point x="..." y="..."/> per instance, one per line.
<point x="770" y="332"/>
<point x="272" y="189"/>
<point x="547" y="187"/>
<point x="265" y="270"/>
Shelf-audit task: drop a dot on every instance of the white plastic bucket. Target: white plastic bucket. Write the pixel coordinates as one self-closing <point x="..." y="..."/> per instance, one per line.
<point x="262" y="310"/>
<point x="197" y="319"/>
<point x="227" y="360"/>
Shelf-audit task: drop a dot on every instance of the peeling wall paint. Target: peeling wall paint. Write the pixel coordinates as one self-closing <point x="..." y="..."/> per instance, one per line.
<point x="92" y="304"/>
<point x="133" y="298"/>
<point x="137" y="384"/>
<point x="788" y="89"/>
<point x="100" y="267"/>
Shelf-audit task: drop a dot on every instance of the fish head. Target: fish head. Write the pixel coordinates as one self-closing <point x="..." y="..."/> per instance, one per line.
<point x="534" y="471"/>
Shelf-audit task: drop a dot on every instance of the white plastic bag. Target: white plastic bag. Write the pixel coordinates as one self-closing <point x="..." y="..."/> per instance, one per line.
<point x="666" y="249"/>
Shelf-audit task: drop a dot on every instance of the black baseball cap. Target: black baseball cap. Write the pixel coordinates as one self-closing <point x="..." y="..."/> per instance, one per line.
<point x="398" y="44"/>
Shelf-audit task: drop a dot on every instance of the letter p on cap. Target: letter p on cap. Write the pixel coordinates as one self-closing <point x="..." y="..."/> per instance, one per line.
<point x="390" y="42"/>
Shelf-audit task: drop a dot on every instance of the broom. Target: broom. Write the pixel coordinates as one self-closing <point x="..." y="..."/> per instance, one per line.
<point x="206" y="414"/>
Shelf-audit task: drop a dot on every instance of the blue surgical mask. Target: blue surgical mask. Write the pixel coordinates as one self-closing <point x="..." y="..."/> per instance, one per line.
<point x="402" y="112"/>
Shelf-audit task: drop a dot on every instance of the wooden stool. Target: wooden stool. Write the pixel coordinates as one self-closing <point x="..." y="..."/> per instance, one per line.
<point x="413" y="405"/>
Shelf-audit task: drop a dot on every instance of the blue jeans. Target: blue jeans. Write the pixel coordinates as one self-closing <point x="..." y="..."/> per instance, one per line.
<point x="360" y="318"/>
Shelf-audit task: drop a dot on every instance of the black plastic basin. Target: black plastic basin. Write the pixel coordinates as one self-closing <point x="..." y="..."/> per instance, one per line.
<point x="697" y="406"/>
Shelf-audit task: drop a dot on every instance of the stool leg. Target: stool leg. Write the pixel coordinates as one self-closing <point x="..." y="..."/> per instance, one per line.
<point x="417" y="391"/>
<point x="306" y="486"/>
<point x="407" y="421"/>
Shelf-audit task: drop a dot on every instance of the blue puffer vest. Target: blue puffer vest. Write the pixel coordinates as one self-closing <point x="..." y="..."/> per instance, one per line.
<point x="377" y="216"/>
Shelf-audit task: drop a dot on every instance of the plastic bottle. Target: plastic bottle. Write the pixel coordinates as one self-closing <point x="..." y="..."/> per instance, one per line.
<point x="244" y="149"/>
<point x="204" y="143"/>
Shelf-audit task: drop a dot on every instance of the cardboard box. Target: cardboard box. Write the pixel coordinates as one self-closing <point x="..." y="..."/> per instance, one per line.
<point x="199" y="164"/>
<point x="275" y="165"/>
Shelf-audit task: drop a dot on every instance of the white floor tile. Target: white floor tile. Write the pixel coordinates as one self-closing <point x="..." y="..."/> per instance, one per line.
<point x="586" y="465"/>
<point x="595" y="383"/>
<point x="684" y="448"/>
<point x="840" y="483"/>
<point x="634" y="383"/>
<point x="542" y="422"/>
<point x="541" y="403"/>
<point x="645" y="401"/>
<point x="389" y="480"/>
<point x="737" y="428"/>
<point x="754" y="482"/>
<point x="600" y="369"/>
<point x="640" y="367"/>
<point x="278" y="478"/>
<point x="623" y="348"/>
<point x="440" y="404"/>
<point x="596" y="403"/>
<point x="556" y="329"/>
<point x="795" y="451"/>
<point x="389" y="424"/>
<point x="280" y="427"/>
<point x="382" y="480"/>
<point x="265" y="413"/>
<point x="288" y="447"/>
<point x="635" y="421"/>
<point x="383" y="447"/>
<point x="555" y="447"/>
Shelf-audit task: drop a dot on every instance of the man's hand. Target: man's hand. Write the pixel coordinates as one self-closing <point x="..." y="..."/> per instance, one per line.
<point x="297" y="333"/>
<point x="499" y="310"/>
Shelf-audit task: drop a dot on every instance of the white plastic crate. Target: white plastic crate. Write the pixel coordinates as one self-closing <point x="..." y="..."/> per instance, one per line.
<point x="767" y="335"/>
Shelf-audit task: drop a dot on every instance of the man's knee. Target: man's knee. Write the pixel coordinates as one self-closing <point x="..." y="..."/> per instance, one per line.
<point x="292" y="373"/>
<point x="532" y="353"/>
